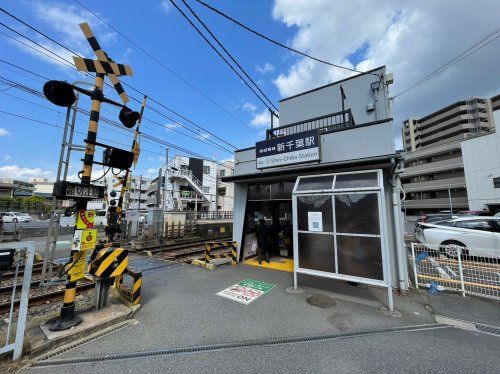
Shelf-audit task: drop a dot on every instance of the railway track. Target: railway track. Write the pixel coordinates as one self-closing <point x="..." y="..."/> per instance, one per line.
<point x="184" y="252"/>
<point x="157" y="247"/>
<point x="44" y="297"/>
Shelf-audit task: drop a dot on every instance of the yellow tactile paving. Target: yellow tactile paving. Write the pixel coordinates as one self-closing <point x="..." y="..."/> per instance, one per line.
<point x="275" y="263"/>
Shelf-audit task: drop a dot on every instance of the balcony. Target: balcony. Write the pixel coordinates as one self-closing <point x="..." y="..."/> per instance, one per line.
<point x="433" y="167"/>
<point x="439" y="203"/>
<point x="434" y="185"/>
<point x="336" y="121"/>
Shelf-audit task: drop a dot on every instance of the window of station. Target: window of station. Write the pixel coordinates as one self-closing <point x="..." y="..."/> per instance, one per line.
<point x="339" y="227"/>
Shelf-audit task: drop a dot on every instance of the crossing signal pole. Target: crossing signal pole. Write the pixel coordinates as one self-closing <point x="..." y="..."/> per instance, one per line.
<point x="62" y="94"/>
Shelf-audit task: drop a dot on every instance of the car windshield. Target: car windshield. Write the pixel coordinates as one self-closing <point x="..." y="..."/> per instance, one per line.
<point x="17" y="214"/>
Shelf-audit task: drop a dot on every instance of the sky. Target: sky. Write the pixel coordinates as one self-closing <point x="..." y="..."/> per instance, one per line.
<point x="412" y="38"/>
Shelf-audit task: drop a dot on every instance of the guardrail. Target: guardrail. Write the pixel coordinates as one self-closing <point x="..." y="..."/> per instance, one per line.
<point x="454" y="268"/>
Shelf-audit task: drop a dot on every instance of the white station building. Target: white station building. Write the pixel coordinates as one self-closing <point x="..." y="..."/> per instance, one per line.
<point x="326" y="183"/>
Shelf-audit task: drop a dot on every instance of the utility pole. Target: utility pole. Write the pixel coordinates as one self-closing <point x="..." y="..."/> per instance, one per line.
<point x="165" y="182"/>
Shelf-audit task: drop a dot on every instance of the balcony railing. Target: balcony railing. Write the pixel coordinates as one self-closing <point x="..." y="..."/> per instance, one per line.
<point x="335" y="121"/>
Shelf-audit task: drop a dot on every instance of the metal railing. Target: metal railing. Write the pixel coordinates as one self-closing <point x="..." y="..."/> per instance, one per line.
<point x="212" y="215"/>
<point x="22" y="206"/>
<point x="473" y="271"/>
<point x="23" y="255"/>
<point x="335" y="121"/>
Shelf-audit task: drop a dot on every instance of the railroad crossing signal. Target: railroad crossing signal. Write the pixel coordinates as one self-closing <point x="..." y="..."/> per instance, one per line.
<point x="104" y="63"/>
<point x="62" y="94"/>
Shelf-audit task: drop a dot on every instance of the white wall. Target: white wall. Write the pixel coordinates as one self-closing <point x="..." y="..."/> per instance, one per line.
<point x="327" y="100"/>
<point x="481" y="157"/>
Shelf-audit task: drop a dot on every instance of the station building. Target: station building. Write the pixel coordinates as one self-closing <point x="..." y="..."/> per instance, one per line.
<point x="326" y="183"/>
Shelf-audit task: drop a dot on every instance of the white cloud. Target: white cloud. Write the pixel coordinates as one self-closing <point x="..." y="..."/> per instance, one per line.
<point x="3" y="132"/>
<point x="24" y="173"/>
<point x="203" y="135"/>
<point x="249" y="106"/>
<point x="262" y="119"/>
<point x="267" y="68"/>
<point x="165" y="6"/>
<point x="412" y="38"/>
<point x="63" y="20"/>
<point x="170" y="126"/>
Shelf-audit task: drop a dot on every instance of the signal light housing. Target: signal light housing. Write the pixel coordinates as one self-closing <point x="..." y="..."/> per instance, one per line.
<point x="128" y="117"/>
<point x="59" y="93"/>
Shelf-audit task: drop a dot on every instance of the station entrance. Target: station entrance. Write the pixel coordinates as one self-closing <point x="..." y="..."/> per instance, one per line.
<point x="271" y="202"/>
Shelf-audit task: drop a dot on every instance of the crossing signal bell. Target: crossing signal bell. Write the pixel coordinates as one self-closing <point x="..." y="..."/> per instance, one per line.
<point x="128" y="117"/>
<point x="59" y="93"/>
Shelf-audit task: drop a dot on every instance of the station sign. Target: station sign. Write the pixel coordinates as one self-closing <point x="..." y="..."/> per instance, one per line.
<point x="288" y="150"/>
<point x="69" y="190"/>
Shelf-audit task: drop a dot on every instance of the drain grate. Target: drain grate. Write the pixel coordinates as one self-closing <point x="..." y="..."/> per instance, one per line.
<point x="88" y="339"/>
<point x="469" y="326"/>
<point x="488" y="329"/>
<point x="233" y="345"/>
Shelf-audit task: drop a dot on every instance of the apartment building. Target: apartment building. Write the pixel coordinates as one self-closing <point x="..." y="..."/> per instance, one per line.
<point x="15" y="188"/>
<point x="190" y="183"/>
<point x="434" y="177"/>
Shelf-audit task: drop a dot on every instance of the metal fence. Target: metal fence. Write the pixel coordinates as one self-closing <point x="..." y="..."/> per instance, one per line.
<point x="22" y="206"/>
<point x="330" y="122"/>
<point x="228" y="214"/>
<point x="22" y="256"/>
<point x="453" y="268"/>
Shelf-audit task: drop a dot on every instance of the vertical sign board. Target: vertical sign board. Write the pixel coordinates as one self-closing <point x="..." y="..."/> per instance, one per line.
<point x="288" y="150"/>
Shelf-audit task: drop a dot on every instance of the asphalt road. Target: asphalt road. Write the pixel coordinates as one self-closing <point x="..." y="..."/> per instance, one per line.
<point x="445" y="350"/>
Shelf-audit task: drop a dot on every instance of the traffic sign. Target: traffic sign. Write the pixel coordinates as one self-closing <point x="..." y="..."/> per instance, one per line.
<point x="85" y="219"/>
<point x="68" y="190"/>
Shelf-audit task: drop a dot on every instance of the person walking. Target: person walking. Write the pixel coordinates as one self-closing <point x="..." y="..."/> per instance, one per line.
<point x="262" y="235"/>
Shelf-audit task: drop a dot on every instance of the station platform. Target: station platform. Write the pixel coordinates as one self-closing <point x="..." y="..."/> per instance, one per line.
<point x="275" y="263"/>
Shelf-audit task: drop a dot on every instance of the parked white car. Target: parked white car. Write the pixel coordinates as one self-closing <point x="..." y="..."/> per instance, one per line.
<point x="16" y="217"/>
<point x="477" y="236"/>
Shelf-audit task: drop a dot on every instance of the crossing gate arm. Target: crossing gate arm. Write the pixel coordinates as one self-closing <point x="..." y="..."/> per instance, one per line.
<point x="220" y="245"/>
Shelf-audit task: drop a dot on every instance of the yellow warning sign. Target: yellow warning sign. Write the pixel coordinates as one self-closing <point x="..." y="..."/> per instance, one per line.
<point x="85" y="219"/>
<point x="77" y="271"/>
<point x="89" y="240"/>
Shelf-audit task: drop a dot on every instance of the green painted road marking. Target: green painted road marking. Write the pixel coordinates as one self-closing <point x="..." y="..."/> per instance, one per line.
<point x="257" y="285"/>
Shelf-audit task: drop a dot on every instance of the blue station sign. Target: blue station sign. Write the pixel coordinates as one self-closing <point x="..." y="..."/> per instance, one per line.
<point x="289" y="149"/>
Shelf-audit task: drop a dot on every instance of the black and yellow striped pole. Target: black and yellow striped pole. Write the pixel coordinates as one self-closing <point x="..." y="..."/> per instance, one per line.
<point x="68" y="318"/>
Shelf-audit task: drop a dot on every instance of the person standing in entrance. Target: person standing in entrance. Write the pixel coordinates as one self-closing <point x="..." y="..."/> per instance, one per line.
<point x="262" y="235"/>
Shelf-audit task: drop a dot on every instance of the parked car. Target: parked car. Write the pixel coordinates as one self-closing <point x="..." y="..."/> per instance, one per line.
<point x="435" y="217"/>
<point x="16" y="217"/>
<point x="497" y="214"/>
<point x="476" y="236"/>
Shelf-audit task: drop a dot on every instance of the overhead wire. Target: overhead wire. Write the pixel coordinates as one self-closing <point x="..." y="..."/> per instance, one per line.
<point x="126" y="84"/>
<point x="274" y="41"/>
<point x="164" y="66"/>
<point x="483" y="42"/>
<point x="225" y="50"/>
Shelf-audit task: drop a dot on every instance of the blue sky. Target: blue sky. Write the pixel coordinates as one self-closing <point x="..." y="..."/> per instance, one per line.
<point x="163" y="32"/>
<point x="411" y="39"/>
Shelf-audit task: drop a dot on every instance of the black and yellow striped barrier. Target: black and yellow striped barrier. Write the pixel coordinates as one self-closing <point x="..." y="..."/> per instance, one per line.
<point x="109" y="262"/>
<point x="133" y="294"/>
<point x="221" y="246"/>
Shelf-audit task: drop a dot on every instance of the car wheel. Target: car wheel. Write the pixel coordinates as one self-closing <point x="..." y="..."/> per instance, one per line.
<point x="14" y="220"/>
<point x="450" y="248"/>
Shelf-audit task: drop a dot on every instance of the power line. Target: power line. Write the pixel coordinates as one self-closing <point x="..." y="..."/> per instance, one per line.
<point x="62" y="128"/>
<point x="455" y="60"/>
<point x="277" y="42"/>
<point x="142" y="93"/>
<point x="212" y="144"/>
<point x="164" y="66"/>
<point x="225" y="50"/>
<point x="105" y="120"/>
